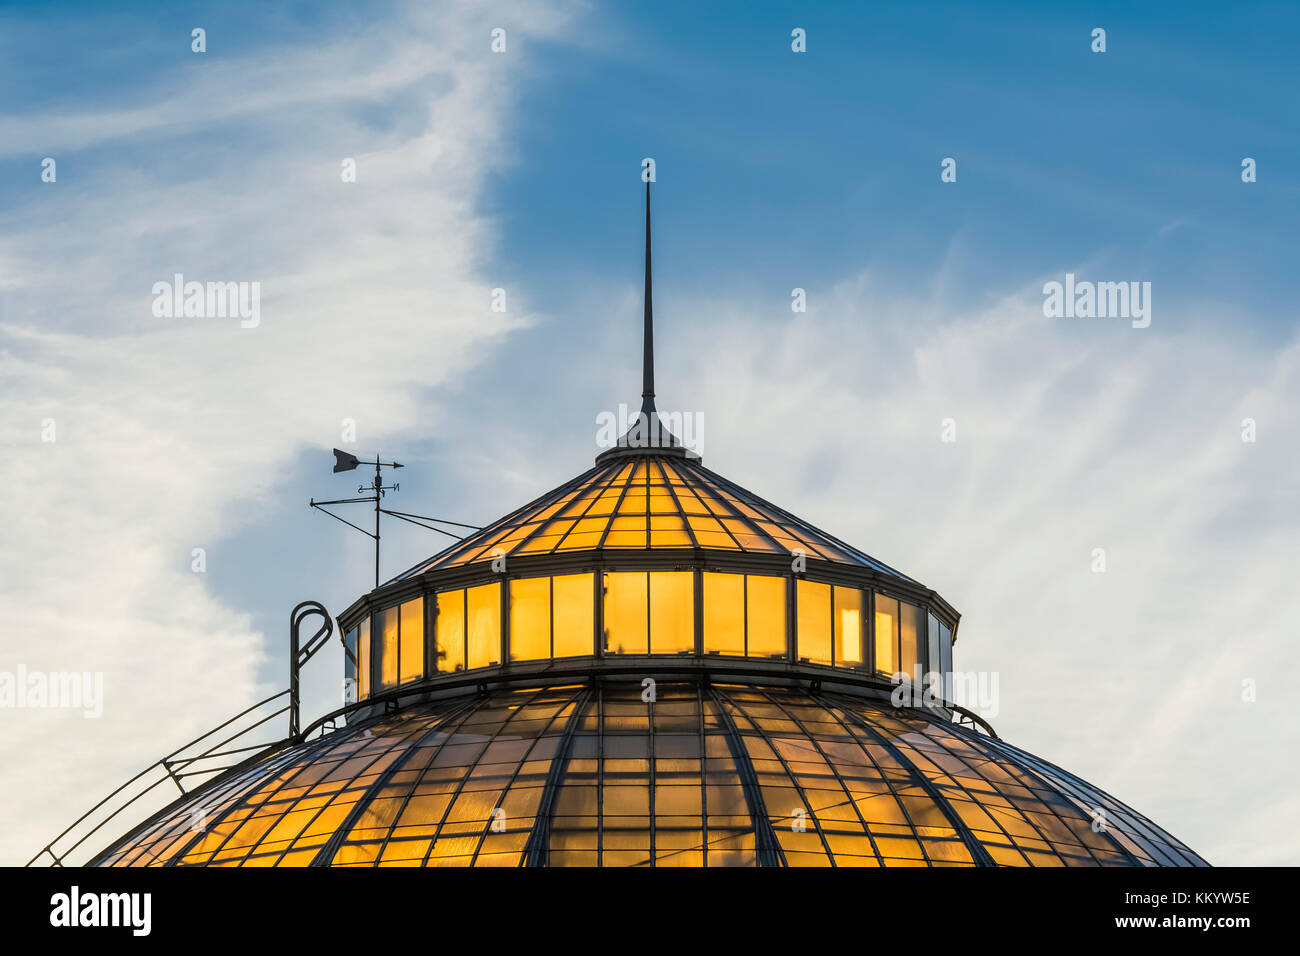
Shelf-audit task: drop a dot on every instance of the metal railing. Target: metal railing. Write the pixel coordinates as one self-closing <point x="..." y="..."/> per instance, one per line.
<point x="203" y="758"/>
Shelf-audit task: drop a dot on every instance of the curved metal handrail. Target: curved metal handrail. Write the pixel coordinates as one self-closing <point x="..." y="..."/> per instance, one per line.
<point x="182" y="763"/>
<point x="175" y="767"/>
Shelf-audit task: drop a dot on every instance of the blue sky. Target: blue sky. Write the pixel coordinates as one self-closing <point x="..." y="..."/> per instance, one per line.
<point x="775" y="170"/>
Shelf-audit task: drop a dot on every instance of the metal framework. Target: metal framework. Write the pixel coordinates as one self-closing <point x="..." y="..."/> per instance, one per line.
<point x="538" y="775"/>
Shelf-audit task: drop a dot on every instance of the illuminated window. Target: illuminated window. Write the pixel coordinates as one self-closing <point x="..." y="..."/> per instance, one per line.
<point x="724" y="613"/>
<point x="848" y="627"/>
<point x="573" y="615"/>
<point x="814" y="615"/>
<point x="765" y="616"/>
<point x="483" y="625"/>
<point x="411" y="659"/>
<point x="830" y="624"/>
<point x="649" y="612"/>
<point x="672" y="612"/>
<point x="909" y="637"/>
<point x="932" y="631"/>
<point x="450" y="630"/>
<point x="530" y="619"/>
<point x="551" y="616"/>
<point x="744" y="615"/>
<point x="627" y="620"/>
<point x="388" y="649"/>
<point x="886" y="642"/>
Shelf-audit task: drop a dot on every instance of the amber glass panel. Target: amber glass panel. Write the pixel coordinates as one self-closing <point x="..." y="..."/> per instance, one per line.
<point x="483" y="625"/>
<point x="388" y="647"/>
<point x="848" y="627"/>
<point x="574" y="615"/>
<point x="363" y="659"/>
<point x="451" y="631"/>
<point x="625" y="612"/>
<point x="672" y="612"/>
<point x="909" y="630"/>
<point x="886" y="634"/>
<point x="530" y="619"/>
<point x="412" y="657"/>
<point x="814" y="610"/>
<point x="724" y="613"/>
<point x="932" y="657"/>
<point x="765" y="615"/>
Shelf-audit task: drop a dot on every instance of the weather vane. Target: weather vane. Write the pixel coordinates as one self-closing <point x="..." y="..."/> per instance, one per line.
<point x="346" y="461"/>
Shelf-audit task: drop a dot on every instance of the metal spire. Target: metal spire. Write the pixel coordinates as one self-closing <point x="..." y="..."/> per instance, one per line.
<point x="649" y="431"/>
<point x="648" y="347"/>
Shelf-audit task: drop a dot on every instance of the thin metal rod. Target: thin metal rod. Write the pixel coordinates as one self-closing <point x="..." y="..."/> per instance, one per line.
<point x="379" y="484"/>
<point x="458" y="524"/>
<point x="648" y="346"/>
<point x="426" y="527"/>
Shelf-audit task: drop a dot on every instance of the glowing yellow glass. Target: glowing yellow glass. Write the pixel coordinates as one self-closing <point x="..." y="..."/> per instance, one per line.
<point x="626" y="617"/>
<point x="724" y="613"/>
<point x="363" y="659"/>
<point x="483" y="625"/>
<point x="451" y="631"/>
<point x="848" y="627"/>
<point x="530" y="619"/>
<point x="765" y="615"/>
<point x="814" y="616"/>
<point x="388" y="647"/>
<point x="886" y="635"/>
<point x="412" y="656"/>
<point x="909" y="631"/>
<point x="573" y="608"/>
<point x="672" y="612"/>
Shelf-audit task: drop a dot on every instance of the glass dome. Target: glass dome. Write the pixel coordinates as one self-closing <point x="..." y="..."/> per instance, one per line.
<point x="647" y="666"/>
<point x="705" y="775"/>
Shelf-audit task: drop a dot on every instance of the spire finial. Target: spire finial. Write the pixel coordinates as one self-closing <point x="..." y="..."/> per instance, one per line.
<point x="648" y="347"/>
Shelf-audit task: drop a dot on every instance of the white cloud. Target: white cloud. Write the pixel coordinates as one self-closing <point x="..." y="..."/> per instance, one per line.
<point x="370" y="292"/>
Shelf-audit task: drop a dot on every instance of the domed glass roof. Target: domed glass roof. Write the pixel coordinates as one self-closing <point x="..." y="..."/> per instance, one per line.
<point x="654" y="681"/>
<point x="716" y="775"/>
<point x="649" y="501"/>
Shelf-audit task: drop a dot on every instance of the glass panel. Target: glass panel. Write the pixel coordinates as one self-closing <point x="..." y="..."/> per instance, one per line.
<point x="388" y="647"/>
<point x="574" y="614"/>
<point x="765" y="615"/>
<point x="886" y="635"/>
<point x="350" y="666"/>
<point x="530" y="619"/>
<point x="363" y="659"/>
<point x="451" y="631"/>
<point x="412" y="658"/>
<point x="909" y="633"/>
<point x="483" y="625"/>
<point x="672" y="612"/>
<point x="848" y="627"/>
<point x="945" y="659"/>
<point x="814" y="610"/>
<point x="626" y="618"/>
<point x="724" y="613"/>
<point x="932" y="662"/>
